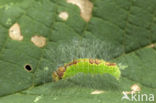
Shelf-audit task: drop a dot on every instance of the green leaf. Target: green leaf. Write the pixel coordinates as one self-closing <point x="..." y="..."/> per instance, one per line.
<point x="122" y="31"/>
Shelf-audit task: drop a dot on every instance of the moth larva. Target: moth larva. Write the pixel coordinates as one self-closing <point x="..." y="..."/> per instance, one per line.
<point x="86" y="66"/>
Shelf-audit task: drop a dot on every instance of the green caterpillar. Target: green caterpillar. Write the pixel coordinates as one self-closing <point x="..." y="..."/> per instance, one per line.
<point x="86" y="66"/>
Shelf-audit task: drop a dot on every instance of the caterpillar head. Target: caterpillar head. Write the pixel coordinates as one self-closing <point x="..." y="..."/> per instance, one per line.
<point x="57" y="75"/>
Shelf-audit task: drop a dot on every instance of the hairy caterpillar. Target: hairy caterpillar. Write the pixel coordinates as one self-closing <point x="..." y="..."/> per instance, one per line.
<point x="86" y="66"/>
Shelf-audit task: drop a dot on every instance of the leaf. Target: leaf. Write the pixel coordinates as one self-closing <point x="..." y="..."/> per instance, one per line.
<point x="121" y="31"/>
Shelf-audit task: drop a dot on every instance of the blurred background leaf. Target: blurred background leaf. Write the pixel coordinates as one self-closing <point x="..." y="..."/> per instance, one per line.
<point x="122" y="31"/>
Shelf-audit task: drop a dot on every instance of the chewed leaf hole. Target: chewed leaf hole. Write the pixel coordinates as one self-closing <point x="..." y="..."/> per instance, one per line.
<point x="64" y="15"/>
<point x="28" y="67"/>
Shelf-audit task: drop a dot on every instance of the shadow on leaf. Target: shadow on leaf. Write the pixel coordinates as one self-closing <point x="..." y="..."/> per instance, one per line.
<point x="106" y="82"/>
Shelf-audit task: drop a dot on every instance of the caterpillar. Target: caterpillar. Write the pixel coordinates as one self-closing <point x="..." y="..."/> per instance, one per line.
<point x="86" y="66"/>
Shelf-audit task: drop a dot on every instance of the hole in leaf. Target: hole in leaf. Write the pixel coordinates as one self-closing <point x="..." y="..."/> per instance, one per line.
<point x="39" y="41"/>
<point x="28" y="68"/>
<point x="64" y="15"/>
<point x="85" y="8"/>
<point x="15" y="32"/>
